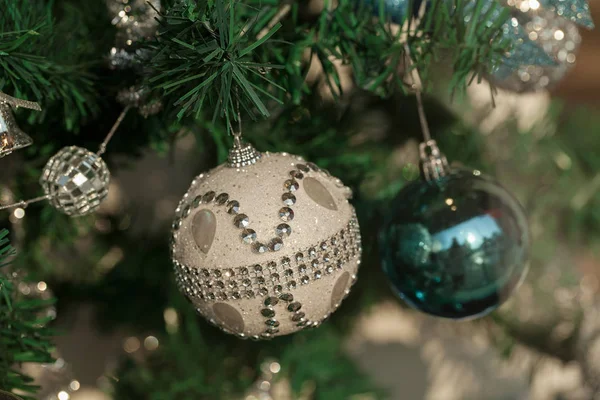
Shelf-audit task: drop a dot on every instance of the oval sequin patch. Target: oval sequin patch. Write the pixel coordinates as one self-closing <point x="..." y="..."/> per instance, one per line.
<point x="339" y="289"/>
<point x="319" y="193"/>
<point x="204" y="227"/>
<point x="229" y="317"/>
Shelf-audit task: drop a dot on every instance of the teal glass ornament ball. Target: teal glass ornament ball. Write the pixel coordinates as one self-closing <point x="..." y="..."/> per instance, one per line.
<point x="455" y="247"/>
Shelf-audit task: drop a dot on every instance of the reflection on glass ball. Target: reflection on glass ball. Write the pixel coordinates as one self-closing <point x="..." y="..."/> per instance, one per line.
<point x="456" y="247"/>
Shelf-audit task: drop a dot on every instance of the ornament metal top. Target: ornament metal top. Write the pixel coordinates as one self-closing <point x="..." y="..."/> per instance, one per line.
<point x="11" y="136"/>
<point x="265" y="244"/>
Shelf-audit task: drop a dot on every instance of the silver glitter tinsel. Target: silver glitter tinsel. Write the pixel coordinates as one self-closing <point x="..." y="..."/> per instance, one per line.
<point x="76" y="180"/>
<point x="135" y="20"/>
<point x="558" y="37"/>
<point x="139" y="97"/>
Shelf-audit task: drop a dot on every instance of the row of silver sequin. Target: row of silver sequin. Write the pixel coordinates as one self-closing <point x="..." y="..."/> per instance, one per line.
<point x="273" y="277"/>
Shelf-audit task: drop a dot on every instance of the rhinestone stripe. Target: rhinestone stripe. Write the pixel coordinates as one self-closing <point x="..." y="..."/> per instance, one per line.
<point x="293" y="307"/>
<point x="273" y="277"/>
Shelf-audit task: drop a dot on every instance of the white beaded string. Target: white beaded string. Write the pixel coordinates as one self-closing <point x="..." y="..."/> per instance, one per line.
<point x="25" y="203"/>
<point x="113" y="130"/>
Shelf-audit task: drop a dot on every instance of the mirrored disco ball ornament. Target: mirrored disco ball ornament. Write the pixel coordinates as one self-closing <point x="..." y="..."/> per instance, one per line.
<point x="558" y="37"/>
<point x="265" y="245"/>
<point x="76" y="181"/>
<point x="454" y="245"/>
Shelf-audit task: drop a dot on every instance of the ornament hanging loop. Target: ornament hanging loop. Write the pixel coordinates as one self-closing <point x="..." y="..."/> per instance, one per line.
<point x="241" y="154"/>
<point x="434" y="164"/>
<point x="25" y="203"/>
<point x="16" y="103"/>
<point x="113" y="130"/>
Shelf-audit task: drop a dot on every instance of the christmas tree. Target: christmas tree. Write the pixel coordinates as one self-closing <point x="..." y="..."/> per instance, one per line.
<point x="347" y="136"/>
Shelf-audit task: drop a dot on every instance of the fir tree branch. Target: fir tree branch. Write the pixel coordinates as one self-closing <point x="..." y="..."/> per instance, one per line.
<point x="207" y="59"/>
<point x="22" y="338"/>
<point x="32" y="65"/>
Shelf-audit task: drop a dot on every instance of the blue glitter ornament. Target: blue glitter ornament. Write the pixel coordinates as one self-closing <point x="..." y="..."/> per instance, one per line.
<point x="521" y="48"/>
<point x="395" y="10"/>
<point x="577" y="11"/>
<point x="558" y="37"/>
<point x="455" y="246"/>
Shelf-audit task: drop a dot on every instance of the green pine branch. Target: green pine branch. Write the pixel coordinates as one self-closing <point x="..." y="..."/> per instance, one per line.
<point x="37" y="61"/>
<point x="210" y="56"/>
<point x="22" y="335"/>
<point x="206" y="59"/>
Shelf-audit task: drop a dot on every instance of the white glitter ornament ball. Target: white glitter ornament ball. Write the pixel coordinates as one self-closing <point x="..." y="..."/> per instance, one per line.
<point x="265" y="245"/>
<point x="76" y="181"/>
<point x="559" y="38"/>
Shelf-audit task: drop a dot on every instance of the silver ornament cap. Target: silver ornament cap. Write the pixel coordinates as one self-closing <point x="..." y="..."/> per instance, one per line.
<point x="76" y="181"/>
<point x="242" y="154"/>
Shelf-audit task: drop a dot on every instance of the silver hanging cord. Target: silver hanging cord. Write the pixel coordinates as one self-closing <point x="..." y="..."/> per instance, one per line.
<point x="16" y="103"/>
<point x="241" y="154"/>
<point x="113" y="130"/>
<point x="25" y="203"/>
<point x="434" y="164"/>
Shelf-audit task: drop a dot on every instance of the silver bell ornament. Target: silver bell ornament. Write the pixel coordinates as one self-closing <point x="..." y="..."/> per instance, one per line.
<point x="11" y="136"/>
<point x="266" y="244"/>
<point x="75" y="181"/>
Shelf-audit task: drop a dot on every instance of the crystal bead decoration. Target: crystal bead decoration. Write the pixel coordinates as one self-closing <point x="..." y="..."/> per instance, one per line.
<point x="241" y="221"/>
<point x="248" y="236"/>
<point x="222" y="199"/>
<point x="283" y="230"/>
<point x="208" y="197"/>
<point x="259" y="248"/>
<point x="276" y="244"/>
<point x="286" y="214"/>
<point x="291" y="185"/>
<point x="76" y="181"/>
<point x="233" y="207"/>
<point x="288" y="199"/>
